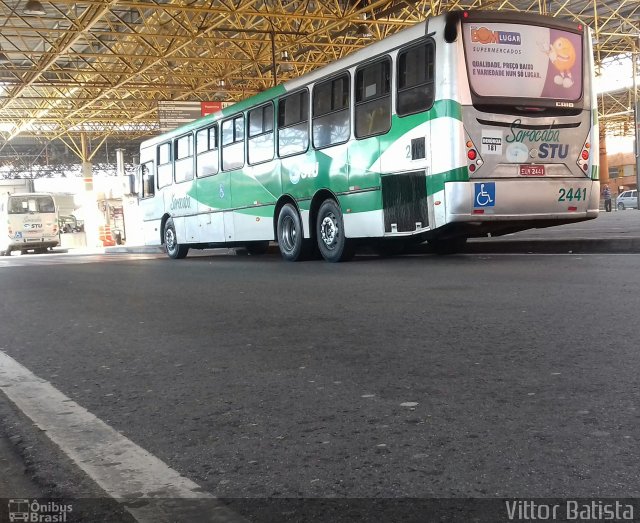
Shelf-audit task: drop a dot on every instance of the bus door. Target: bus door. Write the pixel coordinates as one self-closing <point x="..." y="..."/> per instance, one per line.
<point x="213" y="197"/>
<point x="149" y="203"/>
<point x="212" y="188"/>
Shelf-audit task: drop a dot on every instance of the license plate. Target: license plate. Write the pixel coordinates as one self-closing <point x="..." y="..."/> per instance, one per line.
<point x="531" y="170"/>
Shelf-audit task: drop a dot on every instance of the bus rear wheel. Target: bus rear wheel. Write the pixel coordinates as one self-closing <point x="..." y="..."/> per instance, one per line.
<point x="332" y="242"/>
<point x="174" y="249"/>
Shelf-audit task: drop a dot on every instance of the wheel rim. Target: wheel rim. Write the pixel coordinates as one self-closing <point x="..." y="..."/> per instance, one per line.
<point x="329" y="230"/>
<point x="170" y="239"/>
<point x="288" y="234"/>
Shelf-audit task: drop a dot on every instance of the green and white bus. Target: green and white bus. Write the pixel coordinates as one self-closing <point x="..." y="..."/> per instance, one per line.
<point x="467" y="124"/>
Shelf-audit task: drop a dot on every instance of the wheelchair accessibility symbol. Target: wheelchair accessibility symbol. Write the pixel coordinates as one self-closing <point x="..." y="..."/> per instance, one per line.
<point x="485" y="194"/>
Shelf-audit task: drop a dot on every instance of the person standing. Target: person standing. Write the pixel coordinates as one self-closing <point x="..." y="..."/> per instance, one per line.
<point x="607" y="198"/>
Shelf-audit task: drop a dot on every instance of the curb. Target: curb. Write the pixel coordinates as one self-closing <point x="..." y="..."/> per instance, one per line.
<point x="135" y="249"/>
<point x="575" y="246"/>
<point x="473" y="246"/>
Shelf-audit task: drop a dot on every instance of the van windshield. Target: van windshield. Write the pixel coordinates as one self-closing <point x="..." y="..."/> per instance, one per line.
<point x="29" y="204"/>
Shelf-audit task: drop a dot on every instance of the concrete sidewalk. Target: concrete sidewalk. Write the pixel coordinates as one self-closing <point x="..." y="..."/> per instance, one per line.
<point x="612" y="232"/>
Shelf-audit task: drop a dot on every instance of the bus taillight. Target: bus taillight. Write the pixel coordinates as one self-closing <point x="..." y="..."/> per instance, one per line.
<point x="473" y="156"/>
<point x="585" y="155"/>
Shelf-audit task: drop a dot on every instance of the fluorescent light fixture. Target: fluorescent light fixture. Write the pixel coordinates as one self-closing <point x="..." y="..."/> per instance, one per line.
<point x="221" y="94"/>
<point x="285" y="65"/>
<point x="362" y="30"/>
<point x="34" y="8"/>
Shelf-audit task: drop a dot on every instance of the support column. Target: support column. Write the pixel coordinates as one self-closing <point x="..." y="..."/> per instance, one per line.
<point x="92" y="219"/>
<point x="604" y="162"/>
<point x="636" y="115"/>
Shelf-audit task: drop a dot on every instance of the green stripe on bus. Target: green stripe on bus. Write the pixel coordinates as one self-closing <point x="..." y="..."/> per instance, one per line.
<point x="435" y="182"/>
<point x="360" y="202"/>
<point x="441" y="109"/>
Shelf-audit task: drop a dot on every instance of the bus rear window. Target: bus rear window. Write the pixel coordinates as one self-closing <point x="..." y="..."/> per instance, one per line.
<point x="29" y="204"/>
<point x="523" y="61"/>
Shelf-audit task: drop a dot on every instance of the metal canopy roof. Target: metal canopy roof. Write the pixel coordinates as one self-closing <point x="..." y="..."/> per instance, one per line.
<point x="99" y="67"/>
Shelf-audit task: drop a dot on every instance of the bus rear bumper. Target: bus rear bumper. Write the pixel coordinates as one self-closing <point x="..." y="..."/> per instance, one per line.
<point x="562" y="200"/>
<point x="25" y="245"/>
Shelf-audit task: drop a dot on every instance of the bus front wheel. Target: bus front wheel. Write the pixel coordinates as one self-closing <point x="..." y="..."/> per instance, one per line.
<point x="332" y="242"/>
<point x="174" y="249"/>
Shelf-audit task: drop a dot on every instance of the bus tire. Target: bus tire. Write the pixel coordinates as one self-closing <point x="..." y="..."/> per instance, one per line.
<point x="332" y="242"/>
<point x="173" y="248"/>
<point x="291" y="242"/>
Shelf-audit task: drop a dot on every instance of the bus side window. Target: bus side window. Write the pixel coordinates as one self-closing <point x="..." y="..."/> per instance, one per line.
<point x="331" y="124"/>
<point x="415" y="79"/>
<point x="207" y="152"/>
<point x="165" y="165"/>
<point x="373" y="99"/>
<point x="293" y="124"/>
<point x="260" y="146"/>
<point x="232" y="131"/>
<point x="148" y="180"/>
<point x="184" y="158"/>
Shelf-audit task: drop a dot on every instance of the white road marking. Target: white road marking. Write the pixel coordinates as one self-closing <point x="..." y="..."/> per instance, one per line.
<point x="148" y="488"/>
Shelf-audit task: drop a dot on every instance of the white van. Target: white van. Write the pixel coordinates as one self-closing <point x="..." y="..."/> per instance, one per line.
<point x="28" y="221"/>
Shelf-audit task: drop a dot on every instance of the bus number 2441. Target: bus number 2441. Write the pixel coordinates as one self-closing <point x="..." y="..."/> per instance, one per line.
<point x="572" y="194"/>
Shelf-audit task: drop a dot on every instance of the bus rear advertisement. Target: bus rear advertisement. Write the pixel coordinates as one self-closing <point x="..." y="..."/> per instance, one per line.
<point x="467" y="124"/>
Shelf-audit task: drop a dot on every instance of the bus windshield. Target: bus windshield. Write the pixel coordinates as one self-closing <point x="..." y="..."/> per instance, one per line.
<point x="30" y="204"/>
<point x="523" y="61"/>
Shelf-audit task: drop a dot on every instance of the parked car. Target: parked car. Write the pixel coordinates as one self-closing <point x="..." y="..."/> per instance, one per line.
<point x="627" y="200"/>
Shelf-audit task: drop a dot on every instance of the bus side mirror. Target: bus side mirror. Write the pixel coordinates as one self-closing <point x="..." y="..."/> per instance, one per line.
<point x="451" y="26"/>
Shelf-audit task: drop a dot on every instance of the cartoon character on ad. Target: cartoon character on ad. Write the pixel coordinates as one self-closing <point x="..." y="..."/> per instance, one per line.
<point x="562" y="56"/>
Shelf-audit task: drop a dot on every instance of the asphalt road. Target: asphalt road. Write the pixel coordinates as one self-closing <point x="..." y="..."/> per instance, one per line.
<point x="421" y="376"/>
